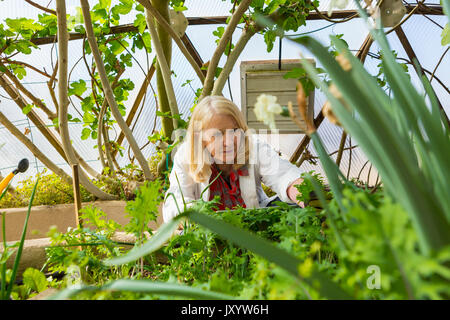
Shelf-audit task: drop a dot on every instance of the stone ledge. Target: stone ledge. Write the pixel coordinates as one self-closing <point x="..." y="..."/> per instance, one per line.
<point x="34" y="256"/>
<point x="62" y="216"/>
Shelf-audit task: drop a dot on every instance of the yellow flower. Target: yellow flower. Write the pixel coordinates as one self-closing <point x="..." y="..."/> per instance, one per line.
<point x="305" y="269"/>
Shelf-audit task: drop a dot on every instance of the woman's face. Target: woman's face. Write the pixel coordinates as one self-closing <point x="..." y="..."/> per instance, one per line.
<point x="222" y="138"/>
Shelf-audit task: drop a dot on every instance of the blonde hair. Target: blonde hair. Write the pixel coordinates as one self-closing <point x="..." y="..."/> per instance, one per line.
<point x="200" y="158"/>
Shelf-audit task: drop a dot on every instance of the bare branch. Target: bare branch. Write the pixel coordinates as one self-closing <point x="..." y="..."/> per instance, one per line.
<point x="165" y="70"/>
<point x="34" y="4"/>
<point x="51" y="115"/>
<point x="64" y="101"/>
<point x="109" y="95"/>
<point x="246" y="35"/>
<point x="214" y="62"/>
<point x="154" y="13"/>
<point x="33" y="148"/>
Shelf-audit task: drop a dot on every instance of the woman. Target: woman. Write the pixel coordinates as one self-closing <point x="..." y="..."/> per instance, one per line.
<point x="219" y="151"/>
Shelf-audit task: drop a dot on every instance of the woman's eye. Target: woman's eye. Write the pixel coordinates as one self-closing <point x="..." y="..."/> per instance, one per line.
<point x="237" y="131"/>
<point x="233" y="131"/>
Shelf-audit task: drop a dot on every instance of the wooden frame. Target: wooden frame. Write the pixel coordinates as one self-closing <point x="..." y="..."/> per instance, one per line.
<point x="264" y="76"/>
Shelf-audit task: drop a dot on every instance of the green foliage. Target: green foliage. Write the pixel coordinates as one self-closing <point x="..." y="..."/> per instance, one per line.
<point x="445" y="35"/>
<point x="35" y="280"/>
<point x="8" y="288"/>
<point x="268" y="253"/>
<point x="116" y="50"/>
<point x="291" y="16"/>
<point x="219" y="33"/>
<point x="95" y="238"/>
<point x="53" y="190"/>
<point x="395" y="140"/>
<point x="144" y="208"/>
<point x="380" y="77"/>
<point x="362" y="245"/>
<point x="380" y="233"/>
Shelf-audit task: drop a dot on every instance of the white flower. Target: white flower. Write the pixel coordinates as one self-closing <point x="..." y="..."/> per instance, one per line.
<point x="73" y="275"/>
<point x="340" y="4"/>
<point x="266" y="107"/>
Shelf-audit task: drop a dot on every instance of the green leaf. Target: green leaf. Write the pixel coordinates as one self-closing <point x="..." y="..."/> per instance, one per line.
<point x="77" y="88"/>
<point x="218" y="33"/>
<point x="257" y="4"/>
<point x="269" y="39"/>
<point x="445" y="35"/>
<point x="267" y="250"/>
<point x="89" y="117"/>
<point x="146" y="286"/>
<point x="85" y="133"/>
<point x="144" y="208"/>
<point x="102" y="4"/>
<point x="139" y="7"/>
<point x="118" y="46"/>
<point x="163" y="234"/>
<point x="18" y="70"/>
<point x="140" y="22"/>
<point x="55" y="122"/>
<point x="147" y="41"/>
<point x="22" y="241"/>
<point x="295" y="73"/>
<point x="27" y="108"/>
<point x="123" y="8"/>
<point x="35" y="280"/>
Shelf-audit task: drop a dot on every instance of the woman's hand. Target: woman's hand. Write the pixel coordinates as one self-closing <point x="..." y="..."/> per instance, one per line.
<point x="292" y="192"/>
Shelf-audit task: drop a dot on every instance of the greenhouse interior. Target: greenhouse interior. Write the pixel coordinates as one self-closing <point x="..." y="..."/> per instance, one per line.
<point x="224" y="149"/>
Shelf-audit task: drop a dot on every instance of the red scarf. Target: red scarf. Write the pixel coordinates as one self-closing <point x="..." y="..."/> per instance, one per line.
<point x="230" y="194"/>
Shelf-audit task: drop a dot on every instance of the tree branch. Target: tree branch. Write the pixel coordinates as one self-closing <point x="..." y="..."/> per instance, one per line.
<point x="40" y="125"/>
<point x="51" y="115"/>
<point x="45" y="74"/>
<point x="34" y="4"/>
<point x="137" y="102"/>
<point x="109" y="93"/>
<point x="64" y="101"/>
<point x="33" y="148"/>
<point x="165" y="71"/>
<point x="155" y="14"/>
<point x="214" y="62"/>
<point x="246" y="35"/>
<point x="101" y="128"/>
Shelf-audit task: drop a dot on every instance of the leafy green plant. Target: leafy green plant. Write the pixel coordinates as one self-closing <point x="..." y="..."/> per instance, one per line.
<point x="413" y="170"/>
<point x="294" y="253"/>
<point x="7" y="281"/>
<point x="96" y="235"/>
<point x="53" y="190"/>
<point x="34" y="282"/>
<point x="144" y="209"/>
<point x="400" y="226"/>
<point x="203" y="259"/>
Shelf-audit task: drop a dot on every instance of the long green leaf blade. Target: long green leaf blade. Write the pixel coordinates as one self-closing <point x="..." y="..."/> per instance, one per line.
<point x="22" y="241"/>
<point x="146" y="286"/>
<point x="270" y="252"/>
<point x="164" y="233"/>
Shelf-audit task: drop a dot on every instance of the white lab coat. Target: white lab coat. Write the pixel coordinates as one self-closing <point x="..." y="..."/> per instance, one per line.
<point x="265" y="166"/>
